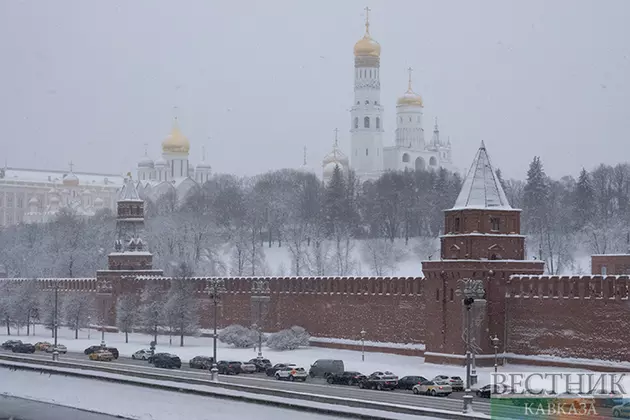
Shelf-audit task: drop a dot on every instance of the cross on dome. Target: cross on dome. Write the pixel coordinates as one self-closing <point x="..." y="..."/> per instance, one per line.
<point x="367" y="20"/>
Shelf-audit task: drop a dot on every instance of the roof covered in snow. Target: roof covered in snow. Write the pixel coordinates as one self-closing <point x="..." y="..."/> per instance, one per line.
<point x="129" y="192"/>
<point x="57" y="177"/>
<point x="482" y="189"/>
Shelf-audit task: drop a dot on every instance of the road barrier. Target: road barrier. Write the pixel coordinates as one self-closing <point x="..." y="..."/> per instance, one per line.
<point x="290" y="399"/>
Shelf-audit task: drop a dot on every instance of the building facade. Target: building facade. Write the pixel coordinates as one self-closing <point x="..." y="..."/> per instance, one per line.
<point x="370" y="152"/>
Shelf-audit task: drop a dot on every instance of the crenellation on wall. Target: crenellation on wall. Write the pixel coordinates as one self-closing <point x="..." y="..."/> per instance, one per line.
<point x="595" y="287"/>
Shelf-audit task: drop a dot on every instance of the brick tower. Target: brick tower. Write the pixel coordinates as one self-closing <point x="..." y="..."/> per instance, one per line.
<point x="131" y="256"/>
<point x="481" y="241"/>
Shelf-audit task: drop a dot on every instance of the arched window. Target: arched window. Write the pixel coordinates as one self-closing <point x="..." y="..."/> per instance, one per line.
<point x="405" y="157"/>
<point x="366" y="122"/>
<point x="409" y="119"/>
<point x="452" y="295"/>
<point x="356" y="122"/>
<point x="420" y="165"/>
<point x="367" y="102"/>
<point x="433" y="161"/>
<point x="378" y="122"/>
<point x="358" y="102"/>
<point x="370" y="72"/>
<point x="366" y="152"/>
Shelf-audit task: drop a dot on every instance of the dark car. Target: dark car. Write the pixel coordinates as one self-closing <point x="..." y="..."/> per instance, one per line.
<point x="94" y="349"/>
<point x="407" y="382"/>
<point x="8" y="345"/>
<point x="156" y="355"/>
<point x="167" y="361"/>
<point x="345" y="378"/>
<point x="229" y="368"/>
<point x="261" y="364"/>
<point x="271" y="371"/>
<point x="486" y="391"/>
<point x="380" y="381"/>
<point x="201" y="362"/>
<point x="23" y="348"/>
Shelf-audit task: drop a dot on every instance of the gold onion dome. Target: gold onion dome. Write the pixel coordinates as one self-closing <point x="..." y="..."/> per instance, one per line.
<point x="367" y="46"/>
<point x="410" y="97"/>
<point x="175" y="142"/>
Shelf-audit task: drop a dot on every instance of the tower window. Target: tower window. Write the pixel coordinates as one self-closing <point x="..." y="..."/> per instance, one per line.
<point x="495" y="223"/>
<point x="437" y="294"/>
<point x="366" y="152"/>
<point x="367" y="102"/>
<point x="356" y="122"/>
<point x="452" y="295"/>
<point x="456" y="225"/>
<point x="405" y="157"/>
<point x="366" y="122"/>
<point x="358" y="102"/>
<point x="370" y="72"/>
<point x="378" y="122"/>
<point x="409" y="119"/>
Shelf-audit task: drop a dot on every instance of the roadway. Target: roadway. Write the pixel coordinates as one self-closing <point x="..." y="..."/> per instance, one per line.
<point x="317" y="386"/>
<point x="21" y="409"/>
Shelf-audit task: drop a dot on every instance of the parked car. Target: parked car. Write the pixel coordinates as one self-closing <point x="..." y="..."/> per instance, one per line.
<point x="261" y="364"/>
<point x="432" y="388"/>
<point x="167" y="361"/>
<point x="23" y="348"/>
<point x="60" y="349"/>
<point x="42" y="345"/>
<point x="408" y="382"/>
<point x="621" y="410"/>
<point x="487" y="390"/>
<point x="380" y="381"/>
<point x="8" y="345"/>
<point x="272" y="370"/>
<point x="201" y="362"/>
<point x="454" y="381"/>
<point x="143" y="354"/>
<point x="101" y="356"/>
<point x="150" y="359"/>
<point x="248" y="367"/>
<point x="93" y="349"/>
<point x="346" y="378"/>
<point x="229" y="368"/>
<point x="291" y="373"/>
<point x="325" y="367"/>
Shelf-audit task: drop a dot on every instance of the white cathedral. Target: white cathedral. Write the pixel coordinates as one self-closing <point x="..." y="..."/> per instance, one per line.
<point x="369" y="155"/>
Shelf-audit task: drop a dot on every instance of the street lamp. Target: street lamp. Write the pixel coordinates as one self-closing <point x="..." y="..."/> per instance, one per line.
<point x="214" y="288"/>
<point x="363" y="332"/>
<point x="495" y="343"/>
<point x="55" y="353"/>
<point x="104" y="288"/>
<point x="473" y="290"/>
<point x="260" y="292"/>
<point x="89" y="327"/>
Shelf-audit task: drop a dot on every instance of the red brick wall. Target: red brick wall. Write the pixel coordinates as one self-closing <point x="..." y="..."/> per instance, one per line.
<point x="579" y="317"/>
<point x="615" y="264"/>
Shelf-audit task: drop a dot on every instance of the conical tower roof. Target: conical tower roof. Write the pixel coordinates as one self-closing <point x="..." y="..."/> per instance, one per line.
<point x="482" y="189"/>
<point x="129" y="191"/>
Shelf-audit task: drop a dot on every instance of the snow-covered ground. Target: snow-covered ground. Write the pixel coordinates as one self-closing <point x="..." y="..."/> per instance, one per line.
<point x="142" y="403"/>
<point x="195" y="346"/>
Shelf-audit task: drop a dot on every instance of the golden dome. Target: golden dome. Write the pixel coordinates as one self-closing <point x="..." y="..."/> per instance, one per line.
<point x="410" y="97"/>
<point x="366" y="46"/>
<point x="176" y="142"/>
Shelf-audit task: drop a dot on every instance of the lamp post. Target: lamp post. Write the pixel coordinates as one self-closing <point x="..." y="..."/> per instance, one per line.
<point x="473" y="290"/>
<point x="214" y="288"/>
<point x="89" y="327"/>
<point x="495" y="343"/>
<point x="260" y="295"/>
<point x="363" y="332"/>
<point x="55" y="353"/>
<point x="104" y="288"/>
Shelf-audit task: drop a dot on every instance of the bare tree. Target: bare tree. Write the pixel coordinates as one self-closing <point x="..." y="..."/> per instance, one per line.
<point x="182" y="305"/>
<point x="127" y="314"/>
<point x="78" y="308"/>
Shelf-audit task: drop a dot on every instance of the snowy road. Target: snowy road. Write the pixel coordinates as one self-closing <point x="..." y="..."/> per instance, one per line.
<point x="21" y="409"/>
<point x="314" y="386"/>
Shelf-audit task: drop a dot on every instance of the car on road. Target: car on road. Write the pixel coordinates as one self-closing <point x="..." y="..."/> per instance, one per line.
<point x="325" y="367"/>
<point x="346" y="378"/>
<point x="226" y="367"/>
<point x="23" y="348"/>
<point x="143" y="354"/>
<point x="272" y="370"/>
<point x="454" y="381"/>
<point x="487" y="390"/>
<point x="167" y="361"/>
<point x="247" y="367"/>
<point x="153" y="357"/>
<point x="621" y="410"/>
<point x="42" y="345"/>
<point x="408" y="382"/>
<point x="93" y="349"/>
<point x="60" y="349"/>
<point x="261" y="364"/>
<point x="380" y="381"/>
<point x="101" y="356"/>
<point x="292" y="373"/>
<point x="8" y="345"/>
<point x="201" y="362"/>
<point x="433" y="388"/>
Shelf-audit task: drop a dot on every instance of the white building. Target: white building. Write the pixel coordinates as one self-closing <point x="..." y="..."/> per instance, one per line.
<point x="369" y="154"/>
<point x="34" y="195"/>
<point x="172" y="172"/>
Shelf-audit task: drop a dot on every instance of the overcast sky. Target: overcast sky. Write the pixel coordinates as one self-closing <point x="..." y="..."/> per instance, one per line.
<point x="93" y="81"/>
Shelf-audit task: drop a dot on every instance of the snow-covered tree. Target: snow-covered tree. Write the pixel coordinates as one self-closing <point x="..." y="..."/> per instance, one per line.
<point x="238" y="336"/>
<point x="47" y="309"/>
<point x="26" y="303"/>
<point x="127" y="314"/>
<point x="289" y="339"/>
<point x="7" y="304"/>
<point x="381" y="255"/>
<point x="152" y="312"/>
<point x="78" y="309"/>
<point x="182" y="305"/>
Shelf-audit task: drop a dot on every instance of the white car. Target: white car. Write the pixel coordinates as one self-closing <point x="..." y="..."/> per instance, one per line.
<point x="60" y="349"/>
<point x="432" y="388"/>
<point x="455" y="382"/>
<point x="247" y="367"/>
<point x="292" y="374"/>
<point x="622" y="410"/>
<point x="143" y="354"/>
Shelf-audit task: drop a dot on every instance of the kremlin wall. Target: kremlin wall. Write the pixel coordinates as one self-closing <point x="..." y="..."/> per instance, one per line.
<point x="583" y="317"/>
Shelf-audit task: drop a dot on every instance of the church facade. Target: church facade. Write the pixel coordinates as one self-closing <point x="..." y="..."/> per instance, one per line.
<point x="370" y="154"/>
